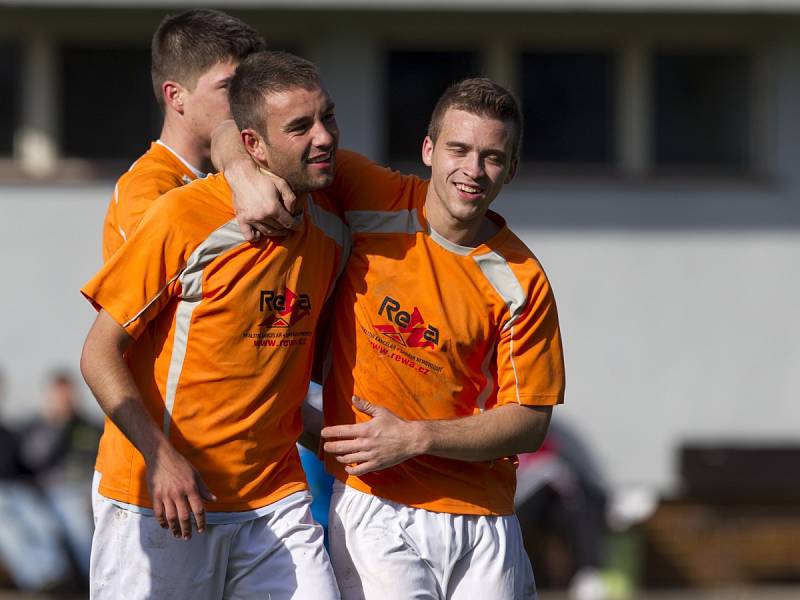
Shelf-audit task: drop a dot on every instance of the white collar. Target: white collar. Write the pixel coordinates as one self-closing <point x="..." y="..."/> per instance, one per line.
<point x="197" y="172"/>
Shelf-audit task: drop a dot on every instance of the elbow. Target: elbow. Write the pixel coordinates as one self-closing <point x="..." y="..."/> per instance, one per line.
<point x="536" y="432"/>
<point x="534" y="442"/>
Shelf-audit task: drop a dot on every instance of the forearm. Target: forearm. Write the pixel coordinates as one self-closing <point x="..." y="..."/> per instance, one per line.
<point x="264" y="203"/>
<point x="386" y="439"/>
<point x="176" y="487"/>
<point x="503" y="431"/>
<point x="227" y="150"/>
<point x="104" y="368"/>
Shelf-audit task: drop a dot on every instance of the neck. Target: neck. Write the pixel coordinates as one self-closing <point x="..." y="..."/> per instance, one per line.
<point x="470" y="233"/>
<point x="181" y="141"/>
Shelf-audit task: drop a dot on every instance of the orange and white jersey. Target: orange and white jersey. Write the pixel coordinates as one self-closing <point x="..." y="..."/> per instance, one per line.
<point x="227" y="357"/>
<point x="156" y="172"/>
<point x="433" y="330"/>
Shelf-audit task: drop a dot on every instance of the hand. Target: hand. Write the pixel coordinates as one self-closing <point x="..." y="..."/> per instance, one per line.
<point x="178" y="492"/>
<point x="382" y="442"/>
<point x="264" y="203"/>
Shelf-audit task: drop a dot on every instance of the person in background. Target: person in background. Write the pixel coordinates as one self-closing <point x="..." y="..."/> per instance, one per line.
<point x="32" y="556"/>
<point x="193" y="56"/>
<point x="59" y="446"/>
<point x="561" y="501"/>
<point x="10" y="466"/>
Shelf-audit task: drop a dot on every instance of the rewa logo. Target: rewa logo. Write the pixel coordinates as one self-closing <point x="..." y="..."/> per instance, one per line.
<point x="285" y="309"/>
<point x="407" y="328"/>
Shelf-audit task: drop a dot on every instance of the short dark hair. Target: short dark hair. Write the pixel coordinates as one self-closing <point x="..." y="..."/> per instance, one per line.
<point x="265" y="73"/>
<point x="190" y="42"/>
<point x="483" y="97"/>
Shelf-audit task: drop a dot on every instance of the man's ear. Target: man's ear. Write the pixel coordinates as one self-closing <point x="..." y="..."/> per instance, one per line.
<point x="172" y="92"/>
<point x="254" y="144"/>
<point x="427" y="151"/>
<point x="512" y="170"/>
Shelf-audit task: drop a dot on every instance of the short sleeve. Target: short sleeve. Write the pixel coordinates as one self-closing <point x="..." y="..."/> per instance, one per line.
<point x="530" y="360"/>
<point x="362" y="185"/>
<point x="133" y="196"/>
<point x="143" y="275"/>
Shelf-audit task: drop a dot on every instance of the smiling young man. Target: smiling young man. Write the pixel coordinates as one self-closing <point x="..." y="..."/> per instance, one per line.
<point x="446" y="334"/>
<point x="207" y="404"/>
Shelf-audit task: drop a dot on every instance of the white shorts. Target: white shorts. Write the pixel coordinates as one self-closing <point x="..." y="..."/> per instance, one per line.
<point x="382" y="550"/>
<point x="279" y="556"/>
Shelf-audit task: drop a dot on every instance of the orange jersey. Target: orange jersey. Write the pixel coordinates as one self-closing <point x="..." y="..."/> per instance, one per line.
<point x="432" y="330"/>
<point x="155" y="173"/>
<point x="227" y="357"/>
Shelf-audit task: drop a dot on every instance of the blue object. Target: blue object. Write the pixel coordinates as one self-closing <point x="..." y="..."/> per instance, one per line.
<point x="321" y="486"/>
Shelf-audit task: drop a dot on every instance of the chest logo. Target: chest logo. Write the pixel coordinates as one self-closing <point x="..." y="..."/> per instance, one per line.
<point x="406" y="328"/>
<point x="283" y="309"/>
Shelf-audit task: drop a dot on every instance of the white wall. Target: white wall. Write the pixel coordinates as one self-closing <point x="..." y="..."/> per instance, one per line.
<point x="671" y="332"/>
<point x="50" y="246"/>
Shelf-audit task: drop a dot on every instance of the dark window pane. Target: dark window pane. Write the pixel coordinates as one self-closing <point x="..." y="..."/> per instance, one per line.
<point x="415" y="82"/>
<point x="701" y="109"/>
<point x="108" y="111"/>
<point x="568" y="103"/>
<point x="10" y="82"/>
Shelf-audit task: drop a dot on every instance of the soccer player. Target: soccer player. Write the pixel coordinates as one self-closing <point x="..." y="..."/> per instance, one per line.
<point x="193" y="56"/>
<point x="446" y="361"/>
<point x="206" y="405"/>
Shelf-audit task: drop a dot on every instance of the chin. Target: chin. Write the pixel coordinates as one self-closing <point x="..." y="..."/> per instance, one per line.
<point x="465" y="213"/>
<point x="323" y="182"/>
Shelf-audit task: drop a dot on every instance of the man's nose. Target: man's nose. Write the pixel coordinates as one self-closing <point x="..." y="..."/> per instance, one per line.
<point x="323" y="136"/>
<point x="472" y="165"/>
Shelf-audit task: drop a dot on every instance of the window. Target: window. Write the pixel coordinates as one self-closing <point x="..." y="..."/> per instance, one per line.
<point x="568" y="103"/>
<point x="108" y="107"/>
<point x="10" y="83"/>
<point x="701" y="109"/>
<point x="415" y="81"/>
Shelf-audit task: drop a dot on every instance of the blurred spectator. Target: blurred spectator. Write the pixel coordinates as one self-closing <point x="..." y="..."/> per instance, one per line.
<point x="561" y="504"/>
<point x="10" y="466"/>
<point x="30" y="554"/>
<point x="60" y="446"/>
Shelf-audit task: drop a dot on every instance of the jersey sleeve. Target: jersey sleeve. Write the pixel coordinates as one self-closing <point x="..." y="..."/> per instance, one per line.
<point x="530" y="360"/>
<point x="136" y="194"/>
<point x="362" y="185"/>
<point x="143" y="275"/>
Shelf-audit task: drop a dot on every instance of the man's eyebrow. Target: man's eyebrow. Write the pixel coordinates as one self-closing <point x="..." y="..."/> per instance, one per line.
<point x="457" y="145"/>
<point x="500" y="153"/>
<point x="296" y="122"/>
